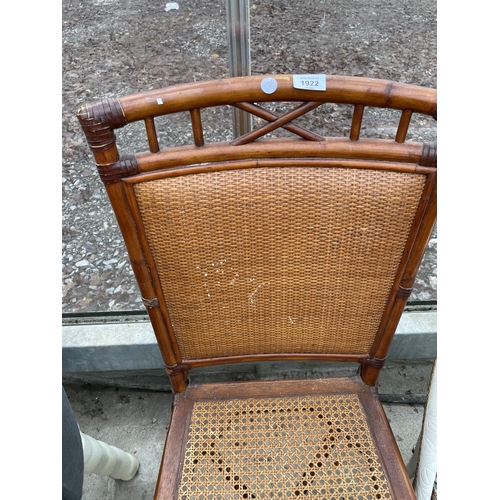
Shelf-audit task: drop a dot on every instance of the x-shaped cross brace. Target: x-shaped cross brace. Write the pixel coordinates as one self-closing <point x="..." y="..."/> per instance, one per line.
<point x="276" y="121"/>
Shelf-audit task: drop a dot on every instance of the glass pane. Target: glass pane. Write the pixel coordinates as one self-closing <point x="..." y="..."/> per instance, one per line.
<point x="112" y="48"/>
<point x="390" y="39"/>
<point x="393" y="40"/>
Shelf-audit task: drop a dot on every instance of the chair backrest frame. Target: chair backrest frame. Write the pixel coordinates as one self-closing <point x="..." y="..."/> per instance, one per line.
<point x="120" y="174"/>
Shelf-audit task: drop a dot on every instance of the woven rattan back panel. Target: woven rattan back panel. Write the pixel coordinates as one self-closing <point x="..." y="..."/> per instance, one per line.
<point x="278" y="260"/>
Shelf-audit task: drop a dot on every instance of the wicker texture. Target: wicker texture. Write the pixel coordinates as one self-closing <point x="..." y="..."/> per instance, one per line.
<point x="319" y="447"/>
<point x="276" y="260"/>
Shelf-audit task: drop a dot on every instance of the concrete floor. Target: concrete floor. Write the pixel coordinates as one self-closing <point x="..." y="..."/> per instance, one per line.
<point x="137" y="421"/>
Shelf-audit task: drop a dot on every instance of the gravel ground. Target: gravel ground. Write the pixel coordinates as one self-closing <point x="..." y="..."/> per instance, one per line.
<point x="111" y="48"/>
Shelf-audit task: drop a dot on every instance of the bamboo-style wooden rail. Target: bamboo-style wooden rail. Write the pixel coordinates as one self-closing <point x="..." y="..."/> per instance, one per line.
<point x="100" y="119"/>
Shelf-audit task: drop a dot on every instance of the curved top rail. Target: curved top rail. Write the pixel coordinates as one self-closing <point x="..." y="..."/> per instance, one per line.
<point x="339" y="89"/>
<point x="100" y="119"/>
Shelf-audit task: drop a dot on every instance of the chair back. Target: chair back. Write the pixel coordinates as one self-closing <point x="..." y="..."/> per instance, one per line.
<point x="271" y="249"/>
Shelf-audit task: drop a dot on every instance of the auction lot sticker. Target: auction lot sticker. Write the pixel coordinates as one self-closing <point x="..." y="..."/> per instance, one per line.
<point x="269" y="85"/>
<point x="309" y="82"/>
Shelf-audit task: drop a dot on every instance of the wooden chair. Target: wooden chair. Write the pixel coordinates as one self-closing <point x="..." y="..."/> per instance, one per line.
<point x="301" y="248"/>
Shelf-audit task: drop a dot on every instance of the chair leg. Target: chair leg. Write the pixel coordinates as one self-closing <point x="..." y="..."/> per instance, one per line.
<point x="105" y="460"/>
<point x="422" y="467"/>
